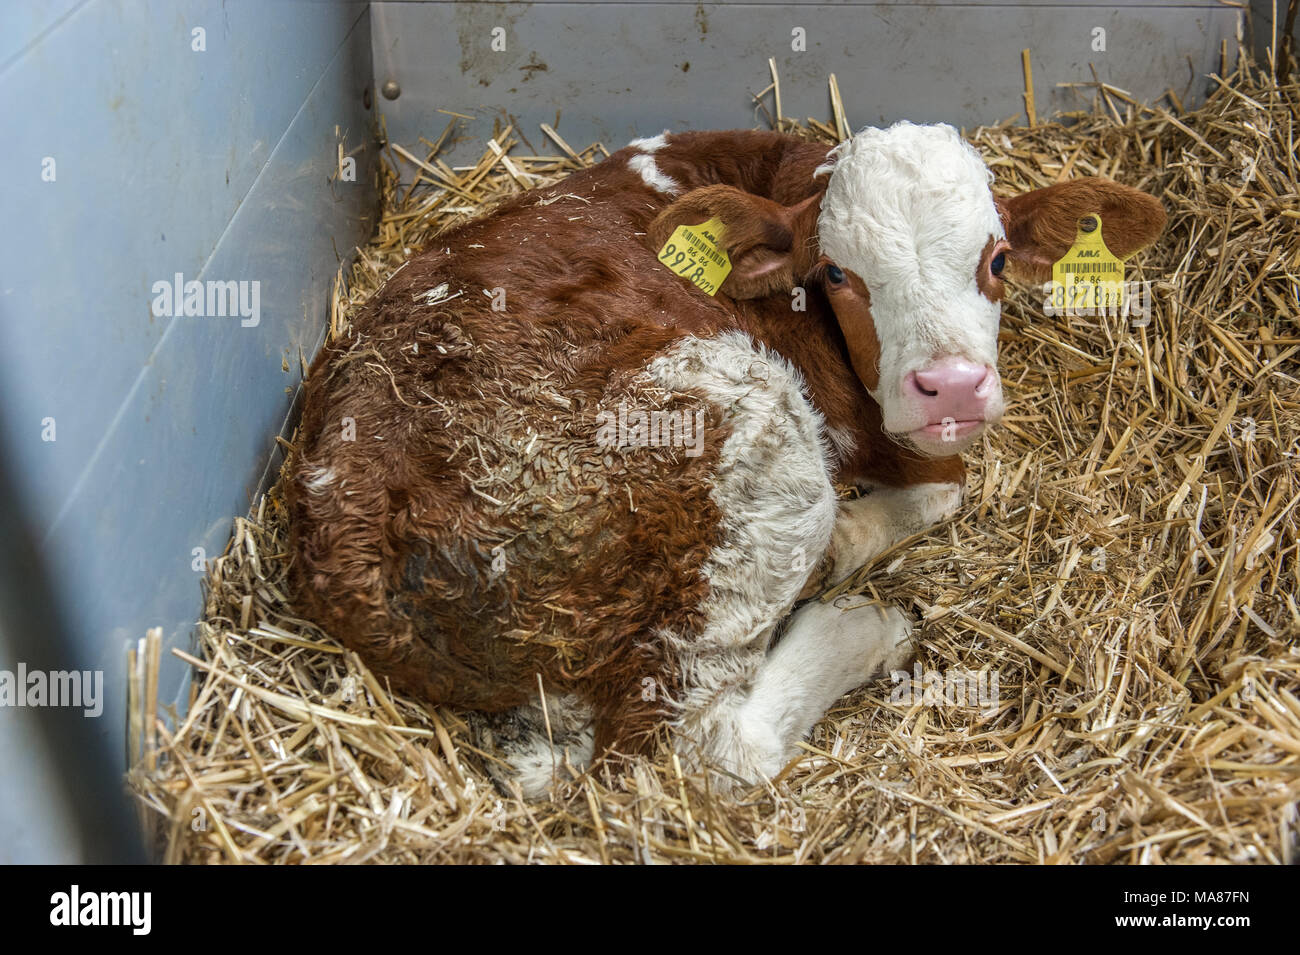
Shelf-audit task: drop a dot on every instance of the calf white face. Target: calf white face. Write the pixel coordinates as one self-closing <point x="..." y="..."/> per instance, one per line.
<point x="913" y="251"/>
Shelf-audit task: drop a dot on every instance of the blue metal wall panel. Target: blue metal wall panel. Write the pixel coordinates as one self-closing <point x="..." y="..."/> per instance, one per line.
<point x="155" y="148"/>
<point x="214" y="164"/>
<point x="24" y="23"/>
<point x="33" y="808"/>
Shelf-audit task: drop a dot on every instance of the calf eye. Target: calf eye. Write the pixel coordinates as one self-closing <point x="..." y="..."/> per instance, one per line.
<point x="834" y="275"/>
<point x="998" y="264"/>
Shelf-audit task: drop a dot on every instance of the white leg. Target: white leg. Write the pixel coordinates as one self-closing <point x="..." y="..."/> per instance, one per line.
<point x="826" y="651"/>
<point x="872" y="524"/>
<point x="534" y="757"/>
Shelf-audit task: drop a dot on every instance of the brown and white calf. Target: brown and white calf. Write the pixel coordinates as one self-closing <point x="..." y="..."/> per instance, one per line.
<point x="543" y="465"/>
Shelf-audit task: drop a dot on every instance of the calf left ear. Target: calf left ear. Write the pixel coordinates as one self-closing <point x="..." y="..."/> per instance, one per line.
<point x="765" y="241"/>
<point x="1042" y="225"/>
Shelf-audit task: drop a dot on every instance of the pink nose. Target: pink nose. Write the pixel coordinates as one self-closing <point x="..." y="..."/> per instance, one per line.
<point x="952" y="389"/>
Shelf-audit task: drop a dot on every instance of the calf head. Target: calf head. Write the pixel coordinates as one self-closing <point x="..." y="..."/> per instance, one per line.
<point x="912" y="249"/>
<point x="914" y="252"/>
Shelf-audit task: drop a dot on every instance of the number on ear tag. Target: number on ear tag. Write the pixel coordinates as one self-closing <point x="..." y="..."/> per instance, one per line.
<point x="1088" y="276"/>
<point x="696" y="253"/>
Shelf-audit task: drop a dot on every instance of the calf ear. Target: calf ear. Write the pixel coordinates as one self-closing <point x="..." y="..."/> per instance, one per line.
<point x="1041" y="225"/>
<point x="766" y="242"/>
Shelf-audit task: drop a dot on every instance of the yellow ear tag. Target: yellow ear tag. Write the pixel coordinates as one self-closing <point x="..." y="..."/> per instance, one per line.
<point x="1088" y="276"/>
<point x="696" y="253"/>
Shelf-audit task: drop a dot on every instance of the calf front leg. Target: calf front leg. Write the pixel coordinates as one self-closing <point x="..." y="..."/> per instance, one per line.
<point x="827" y="650"/>
<point x="870" y="525"/>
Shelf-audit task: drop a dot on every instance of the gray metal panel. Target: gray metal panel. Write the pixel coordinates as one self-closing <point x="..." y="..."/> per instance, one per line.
<point x="1268" y="33"/>
<point x="156" y="147"/>
<point x="165" y="426"/>
<point x="23" y="23"/>
<point x="32" y="803"/>
<point x="193" y="438"/>
<point x="615" y="71"/>
<point x="854" y="3"/>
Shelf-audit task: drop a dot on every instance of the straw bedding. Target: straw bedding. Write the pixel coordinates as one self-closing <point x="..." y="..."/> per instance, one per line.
<point x="1125" y="566"/>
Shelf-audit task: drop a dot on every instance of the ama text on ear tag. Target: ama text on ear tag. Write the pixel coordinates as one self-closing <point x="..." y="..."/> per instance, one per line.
<point x="696" y="253"/>
<point x="1088" y="277"/>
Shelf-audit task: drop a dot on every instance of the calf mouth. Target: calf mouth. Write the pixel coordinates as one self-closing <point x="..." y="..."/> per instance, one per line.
<point x="944" y="438"/>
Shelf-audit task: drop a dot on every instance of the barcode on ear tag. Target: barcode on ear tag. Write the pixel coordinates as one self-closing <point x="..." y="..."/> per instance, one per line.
<point x="696" y="253"/>
<point x="1088" y="276"/>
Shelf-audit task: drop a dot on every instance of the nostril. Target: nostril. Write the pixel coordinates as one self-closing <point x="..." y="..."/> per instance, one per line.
<point x="918" y="383"/>
<point x="985" y="387"/>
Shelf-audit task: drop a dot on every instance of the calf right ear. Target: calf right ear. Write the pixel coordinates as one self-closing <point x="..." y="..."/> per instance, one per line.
<point x="766" y="242"/>
<point x="1041" y="225"/>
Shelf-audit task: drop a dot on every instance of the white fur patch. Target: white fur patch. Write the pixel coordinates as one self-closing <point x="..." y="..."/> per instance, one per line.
<point x="773" y="488"/>
<point x="318" y="479"/>
<point x="644" y="164"/>
<point x="537" y="763"/>
<point x="538" y="746"/>
<point x="651" y="144"/>
<point x="909" y="210"/>
<point x="843" y="442"/>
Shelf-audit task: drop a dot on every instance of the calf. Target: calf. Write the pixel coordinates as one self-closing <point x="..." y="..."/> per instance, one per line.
<point x="548" y="479"/>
